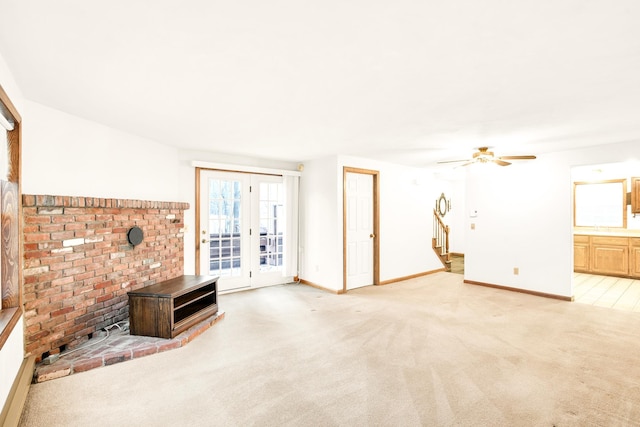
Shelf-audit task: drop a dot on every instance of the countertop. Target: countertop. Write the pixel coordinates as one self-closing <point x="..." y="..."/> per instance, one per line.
<point x="612" y="232"/>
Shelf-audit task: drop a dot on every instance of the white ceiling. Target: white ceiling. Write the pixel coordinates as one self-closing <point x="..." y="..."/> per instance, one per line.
<point x="407" y="81"/>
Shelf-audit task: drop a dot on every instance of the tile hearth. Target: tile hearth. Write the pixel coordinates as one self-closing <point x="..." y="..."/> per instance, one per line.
<point x="116" y="346"/>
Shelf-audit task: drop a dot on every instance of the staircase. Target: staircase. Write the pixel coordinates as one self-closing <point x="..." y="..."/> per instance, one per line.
<point x="440" y="240"/>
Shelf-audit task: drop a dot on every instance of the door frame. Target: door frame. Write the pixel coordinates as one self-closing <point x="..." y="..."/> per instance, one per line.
<point x="197" y="220"/>
<point x="198" y="204"/>
<point x="376" y="223"/>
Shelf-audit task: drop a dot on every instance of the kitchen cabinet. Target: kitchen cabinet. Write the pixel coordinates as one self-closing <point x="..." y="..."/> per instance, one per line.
<point x="581" y="254"/>
<point x="610" y="255"/>
<point x="635" y="195"/>
<point x="607" y="255"/>
<point x="634" y="257"/>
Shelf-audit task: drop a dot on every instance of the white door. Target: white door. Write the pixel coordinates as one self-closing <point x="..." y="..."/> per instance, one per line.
<point x="242" y="225"/>
<point x="224" y="228"/>
<point x="268" y="229"/>
<point x="359" y="212"/>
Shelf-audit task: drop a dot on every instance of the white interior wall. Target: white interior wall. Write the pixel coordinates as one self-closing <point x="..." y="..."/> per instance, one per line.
<point x="320" y="224"/>
<point x="458" y="216"/>
<point x="523" y="222"/>
<point x="406" y="222"/>
<point x="69" y="156"/>
<point x="525" y="219"/>
<point x="11" y="356"/>
<point x="10" y="86"/>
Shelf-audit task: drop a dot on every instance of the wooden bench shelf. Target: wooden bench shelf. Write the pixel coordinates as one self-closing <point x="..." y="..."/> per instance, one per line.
<point x="168" y="308"/>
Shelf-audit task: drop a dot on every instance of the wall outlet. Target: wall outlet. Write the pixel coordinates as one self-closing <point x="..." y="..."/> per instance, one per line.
<point x="516" y="271"/>
<point x="473" y="226"/>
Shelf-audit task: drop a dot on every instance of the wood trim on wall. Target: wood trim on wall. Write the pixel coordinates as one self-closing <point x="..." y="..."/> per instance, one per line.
<point x="413" y="276"/>
<point x="376" y="223"/>
<point x="255" y="170"/>
<point x="15" y="138"/>
<point x="523" y="291"/>
<point x="197" y="220"/>
<point x="11" y="223"/>
<point x="11" y="243"/>
<point x="14" y="405"/>
<point x="623" y="181"/>
<point x="386" y="282"/>
<point x="11" y="289"/>
<point x="8" y="319"/>
<point x="322" y="288"/>
<point x="12" y="256"/>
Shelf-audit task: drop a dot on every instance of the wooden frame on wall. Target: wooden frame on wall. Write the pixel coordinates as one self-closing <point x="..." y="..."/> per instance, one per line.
<point x="11" y="234"/>
<point x="581" y="221"/>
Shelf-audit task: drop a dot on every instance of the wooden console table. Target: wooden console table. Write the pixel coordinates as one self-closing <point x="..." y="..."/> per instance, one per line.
<point x="168" y="308"/>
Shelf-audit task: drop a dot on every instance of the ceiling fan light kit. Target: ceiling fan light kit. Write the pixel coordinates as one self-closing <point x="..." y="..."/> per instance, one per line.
<point x="483" y="155"/>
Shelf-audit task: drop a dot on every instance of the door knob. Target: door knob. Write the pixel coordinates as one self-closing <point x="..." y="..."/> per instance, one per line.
<point x="372" y="235"/>
<point x="205" y="241"/>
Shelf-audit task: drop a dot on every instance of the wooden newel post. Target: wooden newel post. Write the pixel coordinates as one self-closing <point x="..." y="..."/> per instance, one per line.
<point x="447" y="241"/>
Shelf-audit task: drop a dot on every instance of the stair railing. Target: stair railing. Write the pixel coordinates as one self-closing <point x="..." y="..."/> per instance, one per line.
<point x="440" y="235"/>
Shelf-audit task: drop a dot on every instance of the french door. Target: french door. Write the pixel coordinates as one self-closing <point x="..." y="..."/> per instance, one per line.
<point x="241" y="231"/>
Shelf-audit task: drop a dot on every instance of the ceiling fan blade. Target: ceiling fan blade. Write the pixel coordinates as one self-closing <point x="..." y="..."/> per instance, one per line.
<point x="517" y="157"/>
<point x="500" y="162"/>
<point x="470" y="162"/>
<point x="455" y="161"/>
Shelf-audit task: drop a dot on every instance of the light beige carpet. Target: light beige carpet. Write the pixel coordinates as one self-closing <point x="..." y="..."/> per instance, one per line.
<point x="429" y="351"/>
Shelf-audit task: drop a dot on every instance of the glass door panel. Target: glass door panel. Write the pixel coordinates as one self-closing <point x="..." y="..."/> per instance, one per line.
<point x="224" y="227"/>
<point x="270" y="220"/>
<point x="271" y="226"/>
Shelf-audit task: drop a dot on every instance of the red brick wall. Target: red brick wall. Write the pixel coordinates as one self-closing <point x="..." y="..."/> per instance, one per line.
<point x="79" y="264"/>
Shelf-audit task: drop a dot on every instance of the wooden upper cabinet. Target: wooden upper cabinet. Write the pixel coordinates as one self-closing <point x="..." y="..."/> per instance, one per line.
<point x="635" y="195"/>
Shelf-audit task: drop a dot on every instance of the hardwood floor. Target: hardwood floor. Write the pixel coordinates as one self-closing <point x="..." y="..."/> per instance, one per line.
<point x="606" y="291"/>
<point x="603" y="291"/>
<point x="457" y="263"/>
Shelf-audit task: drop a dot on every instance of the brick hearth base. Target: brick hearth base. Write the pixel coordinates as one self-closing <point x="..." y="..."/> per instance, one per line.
<point x="118" y="346"/>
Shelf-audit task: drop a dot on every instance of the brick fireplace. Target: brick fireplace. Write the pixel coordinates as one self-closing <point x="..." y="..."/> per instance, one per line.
<point x="79" y="265"/>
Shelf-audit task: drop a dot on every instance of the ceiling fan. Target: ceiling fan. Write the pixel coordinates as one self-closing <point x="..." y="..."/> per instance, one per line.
<point x="483" y="155"/>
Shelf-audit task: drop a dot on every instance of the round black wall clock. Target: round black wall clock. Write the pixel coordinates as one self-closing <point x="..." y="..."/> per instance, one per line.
<point x="135" y="235"/>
